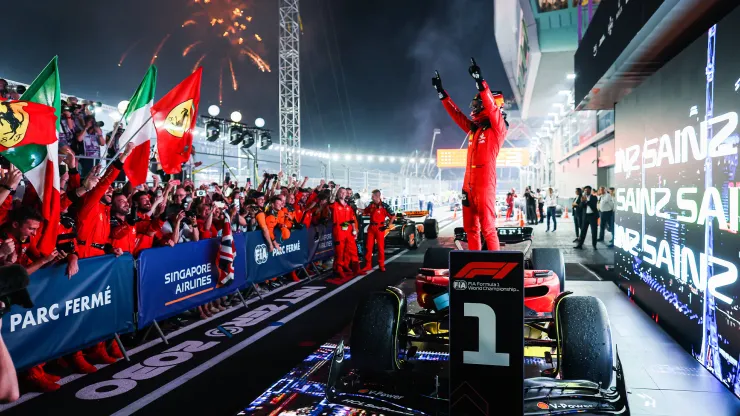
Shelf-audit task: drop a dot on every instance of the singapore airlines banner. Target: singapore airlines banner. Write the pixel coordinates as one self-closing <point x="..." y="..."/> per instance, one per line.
<point x="678" y="198"/>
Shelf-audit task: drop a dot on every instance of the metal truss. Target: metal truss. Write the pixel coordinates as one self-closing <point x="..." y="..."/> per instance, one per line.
<point x="289" y="80"/>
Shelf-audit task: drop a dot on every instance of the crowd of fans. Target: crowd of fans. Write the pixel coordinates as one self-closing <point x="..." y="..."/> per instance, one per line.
<point x="103" y="214"/>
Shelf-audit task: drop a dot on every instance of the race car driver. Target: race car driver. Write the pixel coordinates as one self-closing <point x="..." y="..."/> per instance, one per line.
<point x="378" y="212"/>
<point x="486" y="133"/>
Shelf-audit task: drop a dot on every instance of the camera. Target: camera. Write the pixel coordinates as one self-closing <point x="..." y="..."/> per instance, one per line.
<point x="66" y="246"/>
<point x="200" y="193"/>
<point x="100" y="123"/>
<point x="10" y="89"/>
<point x="67" y="222"/>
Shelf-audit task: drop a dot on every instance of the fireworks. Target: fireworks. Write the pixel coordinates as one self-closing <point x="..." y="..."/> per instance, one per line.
<point x="159" y="48"/>
<point x="223" y="30"/>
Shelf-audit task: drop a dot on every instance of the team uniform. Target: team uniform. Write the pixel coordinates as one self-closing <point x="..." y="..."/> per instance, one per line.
<point x="376" y="232"/>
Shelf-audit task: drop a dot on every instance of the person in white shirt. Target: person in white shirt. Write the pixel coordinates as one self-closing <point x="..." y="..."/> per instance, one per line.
<point x="606" y="206"/>
<point x="422" y="198"/>
<point x="551" y="202"/>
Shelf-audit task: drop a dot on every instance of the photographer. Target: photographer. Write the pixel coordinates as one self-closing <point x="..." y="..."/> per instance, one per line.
<point x="89" y="141"/>
<point x="8" y="92"/>
<point x="179" y="227"/>
<point x="9" y="182"/>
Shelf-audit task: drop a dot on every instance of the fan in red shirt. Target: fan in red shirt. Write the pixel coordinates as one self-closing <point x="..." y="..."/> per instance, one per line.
<point x="486" y="133"/>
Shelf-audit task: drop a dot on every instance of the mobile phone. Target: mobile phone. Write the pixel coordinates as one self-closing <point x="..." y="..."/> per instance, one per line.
<point x="219" y="204"/>
<point x="176" y="182"/>
<point x="211" y="189"/>
<point x="200" y="192"/>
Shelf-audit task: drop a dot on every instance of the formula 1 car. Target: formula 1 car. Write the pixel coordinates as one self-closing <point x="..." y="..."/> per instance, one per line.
<point x="571" y="333"/>
<point x="407" y="233"/>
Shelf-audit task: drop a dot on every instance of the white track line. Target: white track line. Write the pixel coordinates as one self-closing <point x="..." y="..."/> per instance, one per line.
<point x="156" y="394"/>
<point x="591" y="272"/>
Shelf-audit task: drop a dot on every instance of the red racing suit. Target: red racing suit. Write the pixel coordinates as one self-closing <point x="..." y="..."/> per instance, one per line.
<point x="93" y="231"/>
<point x="485" y="138"/>
<point x="378" y="213"/>
<point x="345" y="245"/>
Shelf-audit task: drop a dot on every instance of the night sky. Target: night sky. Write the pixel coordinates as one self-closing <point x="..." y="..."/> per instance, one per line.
<point x="365" y="66"/>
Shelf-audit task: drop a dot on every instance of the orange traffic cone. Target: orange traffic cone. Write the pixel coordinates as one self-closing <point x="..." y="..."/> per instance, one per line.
<point x="521" y="219"/>
<point x="566" y="214"/>
<point x="454" y="214"/>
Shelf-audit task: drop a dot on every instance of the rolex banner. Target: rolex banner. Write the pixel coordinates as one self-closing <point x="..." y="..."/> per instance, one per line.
<point x="174" y="118"/>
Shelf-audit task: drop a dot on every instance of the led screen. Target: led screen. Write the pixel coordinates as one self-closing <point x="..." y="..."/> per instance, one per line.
<point x="677" y="198"/>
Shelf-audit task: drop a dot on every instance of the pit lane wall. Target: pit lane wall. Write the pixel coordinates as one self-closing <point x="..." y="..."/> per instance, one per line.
<point x="678" y="198"/>
<point x="115" y="295"/>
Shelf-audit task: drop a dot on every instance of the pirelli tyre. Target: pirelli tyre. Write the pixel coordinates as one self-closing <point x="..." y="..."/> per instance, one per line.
<point x="437" y="258"/>
<point x="431" y="228"/>
<point x="411" y="236"/>
<point x="376" y="325"/>
<point x="550" y="259"/>
<point x="585" y="339"/>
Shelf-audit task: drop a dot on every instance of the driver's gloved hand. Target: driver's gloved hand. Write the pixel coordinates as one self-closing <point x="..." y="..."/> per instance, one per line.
<point x="474" y="71"/>
<point x="437" y="84"/>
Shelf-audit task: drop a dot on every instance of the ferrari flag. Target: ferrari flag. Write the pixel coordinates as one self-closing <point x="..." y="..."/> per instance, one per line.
<point x="23" y="123"/>
<point x="174" y="118"/>
<point x="36" y="152"/>
<point x="139" y="128"/>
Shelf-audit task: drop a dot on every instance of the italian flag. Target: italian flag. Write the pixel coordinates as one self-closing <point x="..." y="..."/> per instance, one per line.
<point x="40" y="163"/>
<point x="139" y="128"/>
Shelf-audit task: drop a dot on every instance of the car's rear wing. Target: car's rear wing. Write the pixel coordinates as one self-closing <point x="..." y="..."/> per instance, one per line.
<point x="416" y="214"/>
<point x="506" y="235"/>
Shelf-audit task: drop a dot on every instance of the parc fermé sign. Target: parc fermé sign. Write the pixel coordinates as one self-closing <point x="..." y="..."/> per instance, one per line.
<point x="259" y="321"/>
<point x="486" y="332"/>
<point x="91" y="306"/>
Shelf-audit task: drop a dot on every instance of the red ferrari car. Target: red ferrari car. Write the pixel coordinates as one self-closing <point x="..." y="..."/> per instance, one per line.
<point x="544" y="275"/>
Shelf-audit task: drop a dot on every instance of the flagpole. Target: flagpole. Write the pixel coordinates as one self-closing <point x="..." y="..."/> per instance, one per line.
<point x="116" y="126"/>
<point x="120" y="148"/>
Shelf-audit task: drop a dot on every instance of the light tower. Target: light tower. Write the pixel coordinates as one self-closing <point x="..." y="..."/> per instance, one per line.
<point x="289" y="80"/>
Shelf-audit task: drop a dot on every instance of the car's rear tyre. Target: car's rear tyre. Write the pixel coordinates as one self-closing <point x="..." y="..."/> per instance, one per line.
<point x="550" y="259"/>
<point x="375" y="328"/>
<point x="585" y="339"/>
<point x="437" y="258"/>
<point x="431" y="228"/>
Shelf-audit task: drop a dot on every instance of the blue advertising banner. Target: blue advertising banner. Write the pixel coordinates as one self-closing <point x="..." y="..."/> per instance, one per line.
<point x="175" y="279"/>
<point x="70" y="314"/>
<point x="320" y="243"/>
<point x="263" y="265"/>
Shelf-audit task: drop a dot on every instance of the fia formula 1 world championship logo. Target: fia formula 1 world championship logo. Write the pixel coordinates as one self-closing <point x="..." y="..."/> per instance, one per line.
<point x="459" y="284"/>
<point x="260" y="254"/>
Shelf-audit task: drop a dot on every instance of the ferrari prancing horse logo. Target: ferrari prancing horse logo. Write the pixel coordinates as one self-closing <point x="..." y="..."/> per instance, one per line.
<point x="178" y="120"/>
<point x="13" y="123"/>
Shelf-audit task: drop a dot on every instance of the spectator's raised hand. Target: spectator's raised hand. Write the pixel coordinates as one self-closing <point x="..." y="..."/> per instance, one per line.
<point x="92" y="178"/>
<point x="126" y="152"/>
<point x="12" y="178"/>
<point x="117" y="252"/>
<point x="69" y="157"/>
<point x="7" y="247"/>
